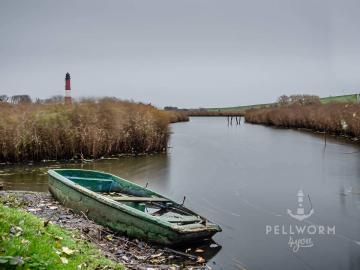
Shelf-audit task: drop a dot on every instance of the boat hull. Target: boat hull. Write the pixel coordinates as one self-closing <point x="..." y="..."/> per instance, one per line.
<point x="109" y="214"/>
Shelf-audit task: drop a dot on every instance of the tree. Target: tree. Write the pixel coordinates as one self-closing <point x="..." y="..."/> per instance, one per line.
<point x="283" y="100"/>
<point x="305" y="99"/>
<point x="311" y="100"/>
<point x="55" y="99"/>
<point x="298" y="99"/>
<point x="4" y="98"/>
<point x="20" y="99"/>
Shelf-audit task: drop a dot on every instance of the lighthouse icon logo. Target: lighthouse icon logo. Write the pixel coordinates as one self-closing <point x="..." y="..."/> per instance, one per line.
<point x="300" y="211"/>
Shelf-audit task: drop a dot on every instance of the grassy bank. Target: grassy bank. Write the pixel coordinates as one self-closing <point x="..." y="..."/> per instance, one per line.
<point x="344" y="98"/>
<point x="238" y="108"/>
<point x="336" y="118"/>
<point x="352" y="98"/>
<point x="184" y="114"/>
<point x="215" y="113"/>
<point x="26" y="243"/>
<point x="88" y="129"/>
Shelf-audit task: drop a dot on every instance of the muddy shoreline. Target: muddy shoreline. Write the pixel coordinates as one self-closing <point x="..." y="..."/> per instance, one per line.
<point x="133" y="253"/>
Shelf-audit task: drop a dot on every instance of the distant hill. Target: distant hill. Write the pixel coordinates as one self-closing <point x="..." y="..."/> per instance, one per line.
<point x="325" y="100"/>
<point x="344" y="98"/>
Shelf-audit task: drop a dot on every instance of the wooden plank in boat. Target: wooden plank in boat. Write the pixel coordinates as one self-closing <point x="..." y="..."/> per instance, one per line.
<point x="182" y="219"/>
<point x="136" y="199"/>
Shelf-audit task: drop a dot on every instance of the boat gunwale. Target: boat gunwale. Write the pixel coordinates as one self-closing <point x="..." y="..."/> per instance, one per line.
<point x="125" y="208"/>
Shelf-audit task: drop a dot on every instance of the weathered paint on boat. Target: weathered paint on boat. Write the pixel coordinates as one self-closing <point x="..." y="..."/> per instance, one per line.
<point x="77" y="189"/>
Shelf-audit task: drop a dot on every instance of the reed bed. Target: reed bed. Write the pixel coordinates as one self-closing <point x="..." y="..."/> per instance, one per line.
<point x="87" y="129"/>
<point x="335" y="118"/>
<point x="177" y="116"/>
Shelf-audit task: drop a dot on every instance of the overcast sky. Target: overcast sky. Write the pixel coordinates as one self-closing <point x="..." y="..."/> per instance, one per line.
<point x="186" y="53"/>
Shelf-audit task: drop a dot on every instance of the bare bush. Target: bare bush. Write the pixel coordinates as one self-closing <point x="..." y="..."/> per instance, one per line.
<point x="302" y="100"/>
<point x="20" y="99"/>
<point x="4" y="98"/>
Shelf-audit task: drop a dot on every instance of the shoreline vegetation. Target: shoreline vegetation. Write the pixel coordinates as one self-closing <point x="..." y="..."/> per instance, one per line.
<point x="335" y="115"/>
<point x="336" y="118"/>
<point x="241" y="110"/>
<point x="350" y="98"/>
<point x="215" y="113"/>
<point x="40" y="233"/>
<point x="28" y="242"/>
<point x="88" y="129"/>
<point x="202" y="112"/>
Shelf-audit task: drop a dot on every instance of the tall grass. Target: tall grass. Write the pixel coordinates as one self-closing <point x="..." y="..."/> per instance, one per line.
<point x="35" y="246"/>
<point x="88" y="129"/>
<point x="177" y="116"/>
<point x="336" y="118"/>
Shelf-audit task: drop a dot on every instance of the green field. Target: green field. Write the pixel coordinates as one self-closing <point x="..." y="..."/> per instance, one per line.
<point x="237" y="108"/>
<point x="344" y="98"/>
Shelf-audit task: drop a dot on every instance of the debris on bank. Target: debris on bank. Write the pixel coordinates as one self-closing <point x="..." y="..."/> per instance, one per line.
<point x="133" y="253"/>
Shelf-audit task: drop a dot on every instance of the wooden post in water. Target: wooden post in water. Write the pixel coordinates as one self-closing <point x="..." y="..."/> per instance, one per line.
<point x="230" y="119"/>
<point x="325" y="138"/>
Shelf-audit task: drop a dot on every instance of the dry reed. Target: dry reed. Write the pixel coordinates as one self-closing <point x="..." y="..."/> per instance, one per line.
<point x="88" y="129"/>
<point x="177" y="116"/>
<point x="335" y="118"/>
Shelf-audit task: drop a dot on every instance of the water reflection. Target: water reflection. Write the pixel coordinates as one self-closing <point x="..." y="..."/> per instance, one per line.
<point x="244" y="177"/>
<point x="140" y="169"/>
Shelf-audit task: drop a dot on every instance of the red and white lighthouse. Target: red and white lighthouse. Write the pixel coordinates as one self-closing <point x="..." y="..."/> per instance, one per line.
<point x="67" y="89"/>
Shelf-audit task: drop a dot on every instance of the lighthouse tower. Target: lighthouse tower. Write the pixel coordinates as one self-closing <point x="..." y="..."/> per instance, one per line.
<point x="67" y="89"/>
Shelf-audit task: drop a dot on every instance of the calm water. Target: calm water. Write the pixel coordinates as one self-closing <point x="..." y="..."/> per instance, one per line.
<point x="245" y="178"/>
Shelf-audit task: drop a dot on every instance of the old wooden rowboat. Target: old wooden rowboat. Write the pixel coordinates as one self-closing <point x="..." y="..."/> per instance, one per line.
<point x="128" y="208"/>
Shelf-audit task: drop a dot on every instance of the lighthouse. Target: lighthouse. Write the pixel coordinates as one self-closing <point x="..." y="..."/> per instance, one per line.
<point x="67" y="89"/>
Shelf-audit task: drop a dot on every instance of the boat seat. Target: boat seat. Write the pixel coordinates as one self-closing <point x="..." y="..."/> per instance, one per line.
<point x="88" y="179"/>
<point x="182" y="219"/>
<point x="137" y="199"/>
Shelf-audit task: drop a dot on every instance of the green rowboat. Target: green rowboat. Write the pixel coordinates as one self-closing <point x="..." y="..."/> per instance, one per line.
<point x="128" y="208"/>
